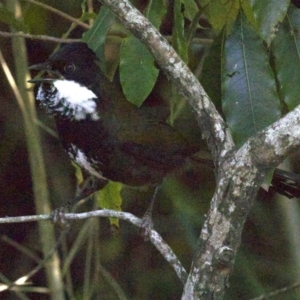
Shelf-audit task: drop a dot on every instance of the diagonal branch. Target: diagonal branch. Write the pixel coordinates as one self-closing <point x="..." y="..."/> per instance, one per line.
<point x="239" y="174"/>
<point x="239" y="179"/>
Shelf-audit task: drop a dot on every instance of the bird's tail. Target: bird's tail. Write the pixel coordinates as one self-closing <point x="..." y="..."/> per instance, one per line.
<point x="286" y="183"/>
<point x="283" y="182"/>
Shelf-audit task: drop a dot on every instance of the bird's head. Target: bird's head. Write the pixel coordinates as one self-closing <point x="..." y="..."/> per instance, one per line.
<point x="66" y="89"/>
<point x="74" y="62"/>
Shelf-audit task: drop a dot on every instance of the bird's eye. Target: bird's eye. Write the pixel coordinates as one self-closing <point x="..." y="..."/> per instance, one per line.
<point x="70" y="68"/>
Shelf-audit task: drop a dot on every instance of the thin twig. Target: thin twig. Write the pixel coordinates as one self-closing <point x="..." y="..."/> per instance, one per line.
<point x="40" y="265"/>
<point x="278" y="292"/>
<point x="112" y="35"/>
<point x="155" y="238"/>
<point x="38" y="37"/>
<point x="20" y="248"/>
<point x="60" y="13"/>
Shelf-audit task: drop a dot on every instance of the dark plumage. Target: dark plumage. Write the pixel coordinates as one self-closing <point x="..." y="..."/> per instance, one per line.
<point x="101" y="131"/>
<point x="124" y="143"/>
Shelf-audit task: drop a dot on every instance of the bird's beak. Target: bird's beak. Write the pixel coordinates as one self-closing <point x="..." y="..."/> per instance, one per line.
<point x="40" y="80"/>
<point x="51" y="75"/>
<point x="39" y="67"/>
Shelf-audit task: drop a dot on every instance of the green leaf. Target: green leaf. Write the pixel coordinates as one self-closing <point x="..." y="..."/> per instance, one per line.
<point x="155" y="11"/>
<point x="190" y="9"/>
<point x="248" y="11"/>
<point x="78" y="173"/>
<point x="8" y="18"/>
<point x="250" y="101"/>
<point x="221" y="13"/>
<point x="210" y="75"/>
<point x="110" y="198"/>
<point x="95" y="37"/>
<point x="138" y="73"/>
<point x="178" y="39"/>
<point x="286" y="50"/>
<point x="268" y="14"/>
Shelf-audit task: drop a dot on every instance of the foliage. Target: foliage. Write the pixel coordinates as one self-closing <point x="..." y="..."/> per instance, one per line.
<point x="246" y="55"/>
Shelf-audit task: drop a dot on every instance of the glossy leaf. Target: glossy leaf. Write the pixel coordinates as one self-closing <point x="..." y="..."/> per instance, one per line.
<point x="137" y="71"/>
<point x="286" y="51"/>
<point x="178" y="38"/>
<point x="267" y="15"/>
<point x="250" y="101"/>
<point x="95" y="37"/>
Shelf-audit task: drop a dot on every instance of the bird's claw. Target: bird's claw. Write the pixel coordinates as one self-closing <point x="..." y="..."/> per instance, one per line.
<point x="146" y="227"/>
<point x="58" y="216"/>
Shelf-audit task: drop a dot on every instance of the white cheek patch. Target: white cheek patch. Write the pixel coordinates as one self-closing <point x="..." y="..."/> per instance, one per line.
<point x="70" y="99"/>
<point x="77" y="97"/>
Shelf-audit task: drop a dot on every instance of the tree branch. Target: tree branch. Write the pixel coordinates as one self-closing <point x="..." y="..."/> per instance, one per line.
<point x="37" y="37"/>
<point x="239" y="179"/>
<point x="239" y="173"/>
<point x="155" y="238"/>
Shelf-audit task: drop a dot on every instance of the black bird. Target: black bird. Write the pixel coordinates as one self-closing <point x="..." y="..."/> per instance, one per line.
<point x="108" y="137"/>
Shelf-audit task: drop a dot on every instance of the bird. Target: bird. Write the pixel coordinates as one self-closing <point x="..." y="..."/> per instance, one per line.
<point x="103" y="133"/>
<point x="111" y="138"/>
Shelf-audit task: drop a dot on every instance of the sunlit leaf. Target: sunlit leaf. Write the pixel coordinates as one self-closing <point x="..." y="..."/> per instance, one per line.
<point x="267" y="15"/>
<point x="250" y="101"/>
<point x="110" y="198"/>
<point x="286" y="47"/>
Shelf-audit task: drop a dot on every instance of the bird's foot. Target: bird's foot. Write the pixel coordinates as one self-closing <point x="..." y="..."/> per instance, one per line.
<point x="58" y="216"/>
<point x="146" y="227"/>
<point x="147" y="224"/>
